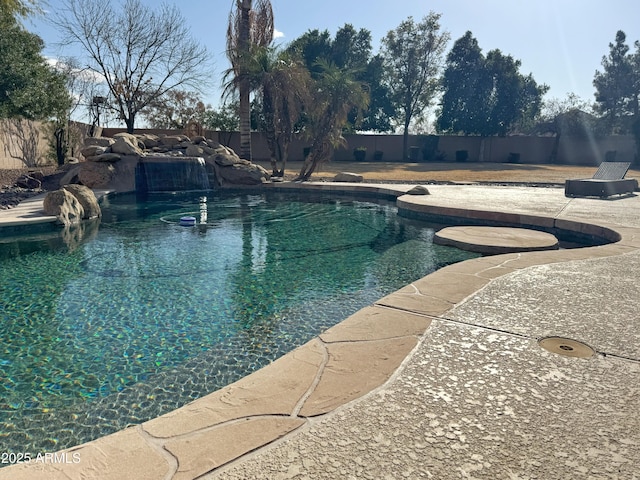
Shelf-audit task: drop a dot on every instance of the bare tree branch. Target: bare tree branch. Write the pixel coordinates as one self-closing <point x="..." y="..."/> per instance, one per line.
<point x="141" y="52"/>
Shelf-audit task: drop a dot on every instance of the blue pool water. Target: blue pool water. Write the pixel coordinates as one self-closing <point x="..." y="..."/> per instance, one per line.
<point x="143" y="315"/>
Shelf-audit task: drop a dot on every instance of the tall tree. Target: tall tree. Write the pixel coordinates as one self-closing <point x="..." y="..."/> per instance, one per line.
<point x="336" y="94"/>
<point x="486" y="95"/>
<point x="466" y="85"/>
<point x="413" y="57"/>
<point x="249" y="27"/>
<point x="141" y="52"/>
<point x="19" y="8"/>
<point x="614" y="85"/>
<point x="30" y="88"/>
<point x="350" y="50"/>
<point x="283" y="85"/>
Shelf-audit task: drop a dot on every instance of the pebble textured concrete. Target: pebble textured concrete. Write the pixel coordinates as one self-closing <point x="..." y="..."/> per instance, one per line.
<point x="442" y="379"/>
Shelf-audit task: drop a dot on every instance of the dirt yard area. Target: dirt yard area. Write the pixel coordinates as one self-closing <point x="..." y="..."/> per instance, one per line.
<point x="450" y="172"/>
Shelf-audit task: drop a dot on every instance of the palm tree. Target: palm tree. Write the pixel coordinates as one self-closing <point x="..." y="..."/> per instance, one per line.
<point x="283" y="83"/>
<point x="336" y="95"/>
<point x="248" y="26"/>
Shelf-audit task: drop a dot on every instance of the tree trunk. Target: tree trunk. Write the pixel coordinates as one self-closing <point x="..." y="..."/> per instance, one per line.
<point x="306" y="170"/>
<point x="405" y="143"/>
<point x="245" y="121"/>
<point x="244" y="37"/>
<point x="129" y="121"/>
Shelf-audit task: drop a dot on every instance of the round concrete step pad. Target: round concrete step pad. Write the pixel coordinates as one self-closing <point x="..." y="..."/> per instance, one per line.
<point x="495" y="240"/>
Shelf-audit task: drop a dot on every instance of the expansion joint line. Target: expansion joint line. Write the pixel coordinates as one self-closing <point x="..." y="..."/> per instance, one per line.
<point x="316" y="380"/>
<point x="157" y="445"/>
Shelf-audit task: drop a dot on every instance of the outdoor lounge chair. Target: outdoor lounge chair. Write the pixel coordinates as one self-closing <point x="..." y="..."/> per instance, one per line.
<point x="608" y="180"/>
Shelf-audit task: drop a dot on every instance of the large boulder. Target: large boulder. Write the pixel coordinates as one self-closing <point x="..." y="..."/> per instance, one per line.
<point x="71" y="175"/>
<point x="242" y="174"/>
<point x="87" y="199"/>
<point x="100" y="141"/>
<point x="92" y="150"/>
<point x="96" y="175"/>
<point x="194" y="151"/>
<point x="126" y="145"/>
<point x="172" y="140"/>
<point x="149" y="140"/>
<point x="64" y="205"/>
<point x="231" y="169"/>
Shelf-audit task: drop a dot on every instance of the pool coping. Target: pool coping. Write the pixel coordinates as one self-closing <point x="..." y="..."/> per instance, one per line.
<point x="342" y="365"/>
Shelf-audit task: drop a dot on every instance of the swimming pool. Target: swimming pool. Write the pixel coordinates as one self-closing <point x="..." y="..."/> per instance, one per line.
<point x="147" y="315"/>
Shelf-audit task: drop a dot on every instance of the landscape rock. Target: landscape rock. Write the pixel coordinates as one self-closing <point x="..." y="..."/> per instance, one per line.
<point x="419" y="190"/>
<point x="71" y="175"/>
<point x="64" y="205"/>
<point x="92" y="150"/>
<point x="194" y="151"/>
<point x="27" y="181"/>
<point x="242" y="174"/>
<point x="149" y="140"/>
<point x="105" y="157"/>
<point x="348" y="177"/>
<point x="172" y="140"/>
<point x="126" y="145"/>
<point x="37" y="174"/>
<point x="87" y="199"/>
<point x="100" y="141"/>
<point x="95" y="175"/>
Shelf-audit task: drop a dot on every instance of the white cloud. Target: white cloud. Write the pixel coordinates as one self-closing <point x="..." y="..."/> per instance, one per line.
<point x="83" y="74"/>
<point x="277" y="34"/>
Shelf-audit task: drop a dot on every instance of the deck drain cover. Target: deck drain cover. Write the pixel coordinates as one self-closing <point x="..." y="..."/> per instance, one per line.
<point x="567" y="347"/>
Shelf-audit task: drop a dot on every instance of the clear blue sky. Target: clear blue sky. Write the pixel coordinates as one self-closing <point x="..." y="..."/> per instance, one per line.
<point x="561" y="42"/>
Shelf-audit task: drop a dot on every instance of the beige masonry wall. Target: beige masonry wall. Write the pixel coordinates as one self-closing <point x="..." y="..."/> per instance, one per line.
<point x="22" y="144"/>
<point x="523" y="149"/>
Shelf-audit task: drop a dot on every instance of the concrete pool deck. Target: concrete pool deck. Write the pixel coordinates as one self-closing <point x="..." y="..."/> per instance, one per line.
<point x="442" y="379"/>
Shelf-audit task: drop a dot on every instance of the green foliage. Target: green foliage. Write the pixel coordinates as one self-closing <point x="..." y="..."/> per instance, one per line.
<point x="19" y="8"/>
<point x="336" y="94"/>
<point x="223" y="119"/>
<point x="360" y="153"/>
<point x="486" y="95"/>
<point x="618" y="85"/>
<point x="350" y="50"/>
<point x="29" y="87"/>
<point x="412" y="56"/>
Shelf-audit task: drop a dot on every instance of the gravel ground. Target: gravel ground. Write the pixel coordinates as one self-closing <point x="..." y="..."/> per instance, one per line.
<point x="11" y="195"/>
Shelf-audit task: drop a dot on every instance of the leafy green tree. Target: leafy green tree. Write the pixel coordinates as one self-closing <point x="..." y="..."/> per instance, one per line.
<point x="486" y="95"/>
<point x="140" y="52"/>
<point x="413" y="57"/>
<point x="223" y="119"/>
<point x="249" y="27"/>
<point x="336" y="93"/>
<point x="614" y="85"/>
<point x="29" y="87"/>
<point x="19" y="8"/>
<point x="466" y="84"/>
<point x="350" y="50"/>
<point x="282" y="84"/>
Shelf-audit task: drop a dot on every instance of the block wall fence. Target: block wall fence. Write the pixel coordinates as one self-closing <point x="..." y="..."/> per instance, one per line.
<point x="521" y="149"/>
<point x="517" y="149"/>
